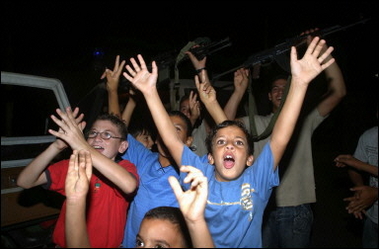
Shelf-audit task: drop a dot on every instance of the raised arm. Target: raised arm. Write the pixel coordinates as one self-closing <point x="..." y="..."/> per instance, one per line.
<point x="208" y="96"/>
<point x="336" y="84"/>
<point x="241" y="81"/>
<point x="113" y="80"/>
<point x="194" y="106"/>
<point x="303" y="72"/>
<point x="127" y="113"/>
<point x="145" y="81"/>
<point x="76" y="187"/>
<point x="192" y="204"/>
<point x="199" y="65"/>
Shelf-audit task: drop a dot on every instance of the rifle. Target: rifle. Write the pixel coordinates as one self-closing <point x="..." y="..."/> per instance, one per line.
<point x="269" y="55"/>
<point x="209" y="48"/>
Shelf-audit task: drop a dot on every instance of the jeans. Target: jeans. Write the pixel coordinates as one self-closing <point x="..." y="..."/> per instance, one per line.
<point x="370" y="234"/>
<point x="288" y="227"/>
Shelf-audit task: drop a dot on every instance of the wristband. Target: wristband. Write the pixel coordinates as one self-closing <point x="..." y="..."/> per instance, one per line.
<point x="200" y="69"/>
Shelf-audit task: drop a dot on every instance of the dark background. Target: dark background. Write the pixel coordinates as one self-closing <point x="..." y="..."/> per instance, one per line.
<point x="60" y="40"/>
<point x="75" y="41"/>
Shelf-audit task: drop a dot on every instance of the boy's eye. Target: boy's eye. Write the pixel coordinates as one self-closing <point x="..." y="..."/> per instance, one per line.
<point x="220" y="142"/>
<point x="239" y="143"/>
<point x="92" y="134"/>
<point x="107" y="135"/>
<point x="160" y="246"/>
<point x="139" y="243"/>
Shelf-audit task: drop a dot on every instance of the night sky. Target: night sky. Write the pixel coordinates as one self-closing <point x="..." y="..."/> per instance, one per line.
<point x="58" y="40"/>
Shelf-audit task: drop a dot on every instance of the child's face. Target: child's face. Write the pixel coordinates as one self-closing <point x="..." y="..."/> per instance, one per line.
<point x="230" y="153"/>
<point x="145" y="139"/>
<point x="185" y="108"/>
<point x="181" y="130"/>
<point x="277" y="92"/>
<point x="111" y="147"/>
<point x="158" y="233"/>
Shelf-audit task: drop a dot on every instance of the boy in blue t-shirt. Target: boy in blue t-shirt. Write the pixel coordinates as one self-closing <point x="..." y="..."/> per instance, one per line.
<point x="237" y="194"/>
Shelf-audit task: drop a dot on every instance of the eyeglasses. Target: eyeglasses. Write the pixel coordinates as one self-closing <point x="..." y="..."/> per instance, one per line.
<point x="104" y="135"/>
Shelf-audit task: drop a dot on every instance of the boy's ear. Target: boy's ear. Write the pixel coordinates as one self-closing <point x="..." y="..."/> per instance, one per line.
<point x="250" y="160"/>
<point x="210" y="159"/>
<point x="123" y="146"/>
<point x="189" y="141"/>
<point x="269" y="96"/>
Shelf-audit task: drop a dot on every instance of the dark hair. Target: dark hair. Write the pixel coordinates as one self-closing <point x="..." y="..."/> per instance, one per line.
<point x="175" y="216"/>
<point x="140" y="128"/>
<point x="183" y="98"/>
<point x="278" y="77"/>
<point x="184" y="118"/>
<point x="116" y="121"/>
<point x="227" y="123"/>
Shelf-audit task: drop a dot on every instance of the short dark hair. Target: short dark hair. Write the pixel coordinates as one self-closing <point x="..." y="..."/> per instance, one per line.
<point x="140" y="128"/>
<point x="227" y="123"/>
<point x="184" y="118"/>
<point x="278" y="77"/>
<point x="116" y="121"/>
<point x="175" y="216"/>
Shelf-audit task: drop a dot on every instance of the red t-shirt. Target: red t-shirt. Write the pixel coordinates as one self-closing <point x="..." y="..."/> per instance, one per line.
<point x="106" y="211"/>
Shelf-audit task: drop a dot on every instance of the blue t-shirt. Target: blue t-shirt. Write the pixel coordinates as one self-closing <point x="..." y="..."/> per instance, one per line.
<point x="154" y="189"/>
<point x="234" y="210"/>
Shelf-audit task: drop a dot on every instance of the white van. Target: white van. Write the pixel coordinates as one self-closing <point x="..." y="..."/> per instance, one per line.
<point x="27" y="102"/>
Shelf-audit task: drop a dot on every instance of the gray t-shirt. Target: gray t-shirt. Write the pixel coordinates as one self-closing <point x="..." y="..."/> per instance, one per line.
<point x="297" y="184"/>
<point x="367" y="151"/>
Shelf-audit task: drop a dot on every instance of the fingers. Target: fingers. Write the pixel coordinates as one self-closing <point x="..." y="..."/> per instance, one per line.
<point x="324" y="55"/>
<point x="175" y="186"/>
<point x="85" y="164"/>
<point x="312" y="46"/>
<point x="133" y="71"/>
<point x="155" y="68"/>
<point x="67" y="118"/>
<point x="315" y="48"/>
<point x="72" y="163"/>
<point x="194" y="176"/>
<point x="136" y="67"/>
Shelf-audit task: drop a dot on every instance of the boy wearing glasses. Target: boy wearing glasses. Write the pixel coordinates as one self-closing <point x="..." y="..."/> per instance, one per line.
<point x="113" y="183"/>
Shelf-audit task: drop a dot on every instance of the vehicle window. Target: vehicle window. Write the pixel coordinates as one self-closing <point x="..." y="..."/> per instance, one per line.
<point x="26" y="111"/>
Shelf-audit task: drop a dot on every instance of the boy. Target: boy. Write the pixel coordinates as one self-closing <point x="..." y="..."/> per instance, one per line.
<point x="183" y="228"/>
<point x="237" y="195"/>
<point x="112" y="184"/>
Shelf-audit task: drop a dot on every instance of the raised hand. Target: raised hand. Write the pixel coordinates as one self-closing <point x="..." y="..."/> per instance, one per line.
<point x="198" y="64"/>
<point x="113" y="77"/>
<point x="78" y="175"/>
<point x="207" y="93"/>
<point x="192" y="202"/>
<point x="194" y="105"/>
<point x="140" y="76"/>
<point x="61" y="144"/>
<point x="76" y="188"/>
<point x="241" y="80"/>
<point x="312" y="63"/>
<point x="71" y="130"/>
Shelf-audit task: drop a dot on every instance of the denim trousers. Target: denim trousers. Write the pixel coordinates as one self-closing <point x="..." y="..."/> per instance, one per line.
<point x="370" y="234"/>
<point x="288" y="227"/>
